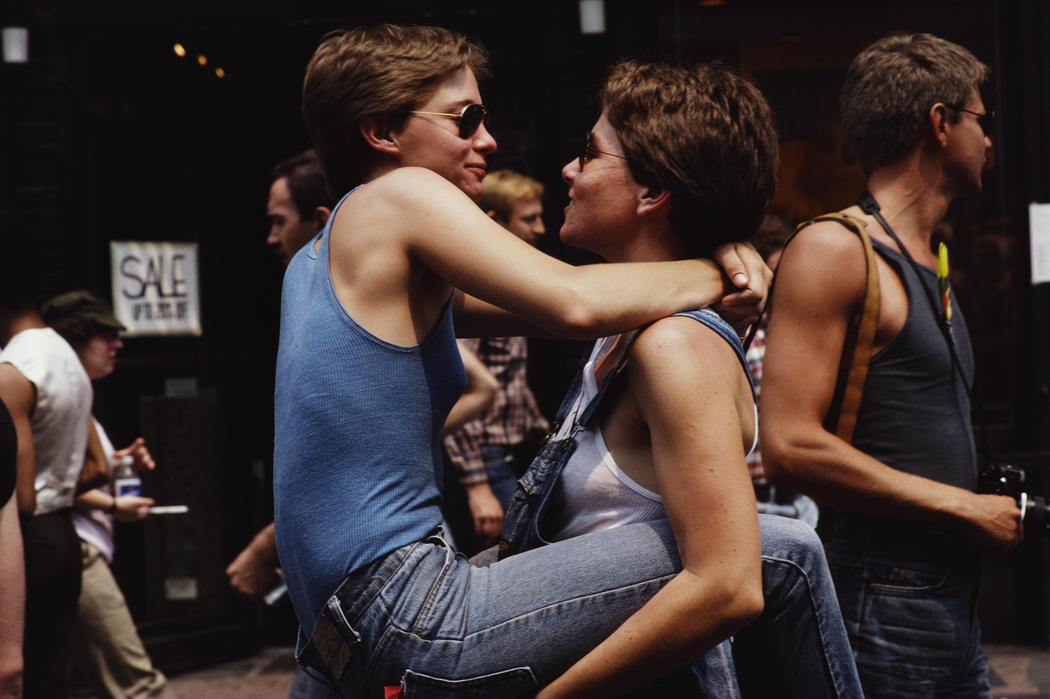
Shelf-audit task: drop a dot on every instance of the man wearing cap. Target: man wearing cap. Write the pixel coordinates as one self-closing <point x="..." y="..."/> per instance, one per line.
<point x="49" y="396"/>
<point x="107" y="646"/>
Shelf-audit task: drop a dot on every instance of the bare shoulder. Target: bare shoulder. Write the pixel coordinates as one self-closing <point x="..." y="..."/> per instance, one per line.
<point x="411" y="188"/>
<point x="825" y="260"/>
<point x="17" y="392"/>
<point x="407" y="199"/>
<point x="679" y="346"/>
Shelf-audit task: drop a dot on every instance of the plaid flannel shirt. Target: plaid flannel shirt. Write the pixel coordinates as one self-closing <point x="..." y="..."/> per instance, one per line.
<point x="756" y="354"/>
<point x="511" y="416"/>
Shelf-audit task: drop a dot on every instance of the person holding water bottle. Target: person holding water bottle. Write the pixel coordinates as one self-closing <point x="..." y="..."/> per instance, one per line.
<point x="107" y="649"/>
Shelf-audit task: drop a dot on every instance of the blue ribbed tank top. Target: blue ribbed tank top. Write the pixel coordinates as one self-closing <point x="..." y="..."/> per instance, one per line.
<point x="357" y="426"/>
<point x="915" y="414"/>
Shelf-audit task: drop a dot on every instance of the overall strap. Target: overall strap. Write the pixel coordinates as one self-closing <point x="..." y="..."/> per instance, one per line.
<point x="584" y="416"/>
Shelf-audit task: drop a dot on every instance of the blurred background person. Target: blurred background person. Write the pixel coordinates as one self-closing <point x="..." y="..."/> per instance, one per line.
<point x="49" y="397"/>
<point x="490" y="452"/>
<point x="12" y="564"/>
<point x="106" y="647"/>
<point x="298" y="205"/>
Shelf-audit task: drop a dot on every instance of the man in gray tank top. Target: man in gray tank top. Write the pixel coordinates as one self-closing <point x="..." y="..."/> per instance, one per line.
<point x="904" y="549"/>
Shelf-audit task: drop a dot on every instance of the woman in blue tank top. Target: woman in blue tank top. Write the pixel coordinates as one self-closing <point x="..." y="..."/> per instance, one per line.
<point x="367" y="371"/>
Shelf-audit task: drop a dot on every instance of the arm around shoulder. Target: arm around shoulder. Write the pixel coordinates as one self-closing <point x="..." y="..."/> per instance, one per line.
<point x="453" y="238"/>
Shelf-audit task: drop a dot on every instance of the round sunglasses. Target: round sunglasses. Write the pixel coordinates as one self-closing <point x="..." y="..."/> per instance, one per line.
<point x="470" y="118"/>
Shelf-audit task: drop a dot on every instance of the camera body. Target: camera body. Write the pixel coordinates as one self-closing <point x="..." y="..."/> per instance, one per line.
<point x="1004" y="479"/>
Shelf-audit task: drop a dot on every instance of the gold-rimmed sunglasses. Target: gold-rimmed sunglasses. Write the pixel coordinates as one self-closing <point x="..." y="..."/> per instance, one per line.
<point x="470" y="118"/>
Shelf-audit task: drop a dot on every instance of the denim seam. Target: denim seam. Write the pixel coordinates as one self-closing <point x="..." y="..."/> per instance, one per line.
<point x="662" y="580"/>
<point x="423" y="616"/>
<point x="837" y="681"/>
<point x="361" y="606"/>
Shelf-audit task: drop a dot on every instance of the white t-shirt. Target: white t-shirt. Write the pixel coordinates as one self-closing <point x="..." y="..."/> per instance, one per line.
<point x="96" y="527"/>
<point x="61" y="415"/>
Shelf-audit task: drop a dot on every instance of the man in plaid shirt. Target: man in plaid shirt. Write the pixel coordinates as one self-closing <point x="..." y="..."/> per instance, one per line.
<point x="486" y="452"/>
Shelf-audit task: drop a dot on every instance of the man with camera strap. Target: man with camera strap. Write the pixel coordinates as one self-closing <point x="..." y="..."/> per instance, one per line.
<point x="904" y="546"/>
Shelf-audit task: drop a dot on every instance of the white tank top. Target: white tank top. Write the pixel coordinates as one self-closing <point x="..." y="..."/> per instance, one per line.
<point x="592" y="493"/>
<point x="61" y="414"/>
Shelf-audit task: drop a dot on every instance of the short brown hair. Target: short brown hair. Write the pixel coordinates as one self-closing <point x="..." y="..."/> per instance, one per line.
<point x="502" y="189"/>
<point x="381" y="71"/>
<point x="306" y="183"/>
<point x="703" y="133"/>
<point x="890" y="87"/>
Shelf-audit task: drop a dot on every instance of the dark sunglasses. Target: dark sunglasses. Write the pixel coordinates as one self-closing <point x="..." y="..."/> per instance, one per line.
<point x="587" y="151"/>
<point x="470" y="118"/>
<point x="986" y="121"/>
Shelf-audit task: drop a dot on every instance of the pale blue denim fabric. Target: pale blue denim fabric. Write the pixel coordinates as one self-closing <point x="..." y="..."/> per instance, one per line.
<point x="909" y="595"/>
<point x="798" y="647"/>
<point x="425" y="616"/>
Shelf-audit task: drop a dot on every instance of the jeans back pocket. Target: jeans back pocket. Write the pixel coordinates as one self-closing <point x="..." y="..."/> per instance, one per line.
<point x="506" y="684"/>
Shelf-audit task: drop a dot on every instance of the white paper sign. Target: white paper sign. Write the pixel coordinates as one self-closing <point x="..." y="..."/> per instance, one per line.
<point x="1039" y="228"/>
<point x="155" y="287"/>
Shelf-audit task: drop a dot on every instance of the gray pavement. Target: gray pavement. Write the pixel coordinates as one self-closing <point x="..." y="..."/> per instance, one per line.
<point x="1015" y="672"/>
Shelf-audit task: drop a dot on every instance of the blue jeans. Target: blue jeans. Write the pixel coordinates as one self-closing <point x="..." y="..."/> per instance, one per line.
<point x="798" y="646"/>
<point x="909" y="595"/>
<point x="423" y="616"/>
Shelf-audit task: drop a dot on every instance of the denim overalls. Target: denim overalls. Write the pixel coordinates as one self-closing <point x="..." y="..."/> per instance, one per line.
<point x="521" y="522"/>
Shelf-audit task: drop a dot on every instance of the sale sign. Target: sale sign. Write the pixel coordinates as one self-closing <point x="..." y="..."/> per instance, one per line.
<point x="155" y="287"/>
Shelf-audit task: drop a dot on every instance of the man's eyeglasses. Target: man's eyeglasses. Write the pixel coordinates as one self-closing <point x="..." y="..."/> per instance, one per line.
<point x="470" y="118"/>
<point x="985" y="121"/>
<point x="585" y="154"/>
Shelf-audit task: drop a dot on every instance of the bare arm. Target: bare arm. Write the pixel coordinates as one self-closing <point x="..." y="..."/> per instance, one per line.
<point x="481" y="390"/>
<point x="19" y="395"/>
<point x="745" y="275"/>
<point x="819" y="286"/>
<point x="124" y="508"/>
<point x="12" y="601"/>
<point x="477" y="396"/>
<point x="409" y="227"/>
<point x="691" y="407"/>
<point x="254" y="571"/>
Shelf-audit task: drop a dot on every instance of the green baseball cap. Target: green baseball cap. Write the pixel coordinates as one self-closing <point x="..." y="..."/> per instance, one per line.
<point x="74" y="306"/>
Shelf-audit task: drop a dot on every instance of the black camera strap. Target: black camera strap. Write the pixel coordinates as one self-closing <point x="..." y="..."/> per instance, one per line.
<point x="871" y="207"/>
